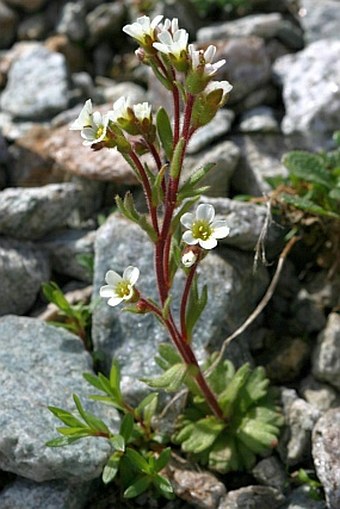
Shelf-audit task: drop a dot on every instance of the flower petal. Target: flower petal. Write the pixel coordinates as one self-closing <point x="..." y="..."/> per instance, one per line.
<point x="131" y="274"/>
<point x="114" y="301"/>
<point x="112" y="278"/>
<point x="106" y="291"/>
<point x="188" y="238"/>
<point x="208" y="244"/>
<point x="187" y="219"/>
<point x="205" y="212"/>
<point x="220" y="229"/>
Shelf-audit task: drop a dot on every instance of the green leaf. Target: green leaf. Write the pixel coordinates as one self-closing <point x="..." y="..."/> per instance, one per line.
<point x="54" y="294"/>
<point x="111" y="469"/>
<point x="115" y="378"/>
<point x="308" y="167"/>
<point x="307" y="205"/>
<point x="156" y="188"/>
<point x="93" y="380"/>
<point x="91" y="420"/>
<point x="138" y="487"/>
<point x="126" y="427"/>
<point x="164" y="486"/>
<point x="66" y="417"/>
<point x="223" y="456"/>
<point x="177" y="159"/>
<point x="188" y="188"/>
<point x="62" y="441"/>
<point x="202" y="434"/>
<point x="164" y="131"/>
<point x="227" y="398"/>
<point x="163" y="459"/>
<point x="148" y="407"/>
<point x="196" y="305"/>
<point x="118" y="442"/>
<point x="171" y="380"/>
<point x="169" y="354"/>
<point x="335" y="194"/>
<point x="138" y="461"/>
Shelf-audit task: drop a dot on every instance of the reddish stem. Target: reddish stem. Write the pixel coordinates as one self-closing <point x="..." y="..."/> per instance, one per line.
<point x="147" y="190"/>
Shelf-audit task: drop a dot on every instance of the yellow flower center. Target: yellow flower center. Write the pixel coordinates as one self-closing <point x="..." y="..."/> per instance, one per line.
<point x="123" y="289"/>
<point x="100" y="131"/>
<point x="201" y="230"/>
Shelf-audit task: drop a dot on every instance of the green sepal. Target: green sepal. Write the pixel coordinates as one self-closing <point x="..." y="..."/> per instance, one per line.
<point x="164" y="130"/>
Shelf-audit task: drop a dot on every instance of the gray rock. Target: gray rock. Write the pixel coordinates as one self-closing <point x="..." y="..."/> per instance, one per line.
<point x="326" y="454"/>
<point x="133" y="339"/>
<point x="33" y="28"/>
<point x="72" y="21"/>
<point x="31" y="213"/>
<point x="111" y="91"/>
<point x="300" y="417"/>
<point x="326" y="357"/>
<point x="26" y="494"/>
<point x="225" y="156"/>
<point x="260" y="159"/>
<point x="247" y="67"/>
<point x="308" y="316"/>
<point x="66" y="249"/>
<point x="301" y="499"/>
<point x="32" y="5"/>
<point x="185" y="11"/>
<point x="105" y="21"/>
<point x="260" y="119"/>
<point x="320" y="20"/>
<point x="219" y="126"/>
<point x="270" y="472"/>
<point x="263" y="95"/>
<point x="312" y="105"/>
<point x="8" y="25"/>
<point x="254" y="497"/>
<point x="22" y="270"/>
<point x="319" y="394"/>
<point x="42" y="365"/>
<point x="37" y="85"/>
<point x="201" y="489"/>
<point x="265" y="26"/>
<point x="246" y="222"/>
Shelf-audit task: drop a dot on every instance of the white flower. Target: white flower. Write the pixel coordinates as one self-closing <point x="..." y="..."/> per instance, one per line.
<point x="118" y="287"/>
<point x="172" y="44"/>
<point x="120" y="109"/>
<point x="93" y="125"/>
<point x="143" y="28"/>
<point x="142" y="111"/>
<point x="218" y="85"/>
<point x="205" y="58"/>
<point x="189" y="258"/>
<point x="170" y="24"/>
<point x="202" y="228"/>
<point x="85" y="117"/>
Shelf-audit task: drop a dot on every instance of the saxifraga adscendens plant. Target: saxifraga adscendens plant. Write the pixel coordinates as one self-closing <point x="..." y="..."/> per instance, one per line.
<point x="231" y="416"/>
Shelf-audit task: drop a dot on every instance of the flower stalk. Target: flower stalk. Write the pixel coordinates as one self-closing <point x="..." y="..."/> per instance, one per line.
<point x="187" y="73"/>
